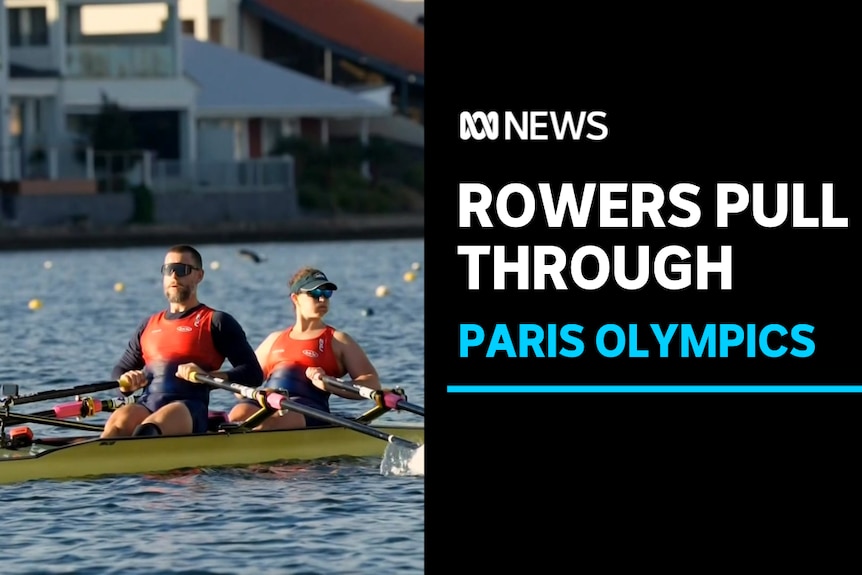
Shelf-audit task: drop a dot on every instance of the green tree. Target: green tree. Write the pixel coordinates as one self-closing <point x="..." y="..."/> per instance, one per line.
<point x="328" y="178"/>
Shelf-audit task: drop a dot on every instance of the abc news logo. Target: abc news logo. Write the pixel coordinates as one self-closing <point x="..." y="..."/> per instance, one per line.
<point x="535" y="125"/>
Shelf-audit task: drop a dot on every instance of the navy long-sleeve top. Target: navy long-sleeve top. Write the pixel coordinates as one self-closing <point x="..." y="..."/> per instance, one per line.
<point x="228" y="338"/>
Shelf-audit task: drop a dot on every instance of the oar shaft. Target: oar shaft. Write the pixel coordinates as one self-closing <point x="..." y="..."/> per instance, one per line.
<point x="14" y="420"/>
<point x="19" y="418"/>
<point x="278" y="401"/>
<point x="379" y="396"/>
<point x="61" y="393"/>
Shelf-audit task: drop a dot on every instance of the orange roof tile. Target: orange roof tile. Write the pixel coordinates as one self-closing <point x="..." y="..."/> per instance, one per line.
<point x="360" y="26"/>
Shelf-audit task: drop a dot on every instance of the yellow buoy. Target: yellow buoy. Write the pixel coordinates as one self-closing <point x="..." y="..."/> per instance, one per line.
<point x="215" y="265"/>
<point x="35" y="304"/>
<point x="119" y="286"/>
<point x="382" y="291"/>
<point x="409" y="276"/>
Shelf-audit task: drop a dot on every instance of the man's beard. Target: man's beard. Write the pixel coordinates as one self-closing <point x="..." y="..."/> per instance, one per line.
<point x="179" y="295"/>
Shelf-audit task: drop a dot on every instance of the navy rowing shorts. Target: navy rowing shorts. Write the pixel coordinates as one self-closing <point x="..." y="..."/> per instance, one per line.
<point x="198" y="410"/>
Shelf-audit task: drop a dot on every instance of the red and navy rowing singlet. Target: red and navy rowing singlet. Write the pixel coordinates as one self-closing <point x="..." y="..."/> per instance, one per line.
<point x="167" y="343"/>
<point x="288" y="359"/>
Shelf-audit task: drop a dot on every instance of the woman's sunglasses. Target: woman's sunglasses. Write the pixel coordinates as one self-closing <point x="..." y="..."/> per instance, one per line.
<point x="316" y="293"/>
<point x="181" y="270"/>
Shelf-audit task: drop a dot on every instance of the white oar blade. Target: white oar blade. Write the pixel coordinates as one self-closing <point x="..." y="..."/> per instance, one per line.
<point x="416" y="465"/>
<point x="401" y="460"/>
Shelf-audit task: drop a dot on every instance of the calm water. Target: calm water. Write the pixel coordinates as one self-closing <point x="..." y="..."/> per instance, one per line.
<point x="319" y="517"/>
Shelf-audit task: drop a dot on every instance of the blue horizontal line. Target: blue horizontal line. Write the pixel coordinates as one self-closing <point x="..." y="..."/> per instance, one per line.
<point x="654" y="389"/>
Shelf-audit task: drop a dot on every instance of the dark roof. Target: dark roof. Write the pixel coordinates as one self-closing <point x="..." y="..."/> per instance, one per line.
<point x="19" y="71"/>
<point x="353" y="28"/>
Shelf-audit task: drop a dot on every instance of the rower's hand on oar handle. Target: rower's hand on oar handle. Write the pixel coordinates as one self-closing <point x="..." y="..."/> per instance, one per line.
<point x="315" y="375"/>
<point x="132" y="381"/>
<point x="188" y="371"/>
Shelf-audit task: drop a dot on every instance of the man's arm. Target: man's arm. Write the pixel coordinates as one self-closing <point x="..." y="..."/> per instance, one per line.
<point x="230" y="340"/>
<point x="133" y="357"/>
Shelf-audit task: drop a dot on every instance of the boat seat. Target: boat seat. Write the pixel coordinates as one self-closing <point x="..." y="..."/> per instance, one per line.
<point x="216" y="419"/>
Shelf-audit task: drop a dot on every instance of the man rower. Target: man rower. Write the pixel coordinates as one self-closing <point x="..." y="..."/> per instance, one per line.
<point x="187" y="337"/>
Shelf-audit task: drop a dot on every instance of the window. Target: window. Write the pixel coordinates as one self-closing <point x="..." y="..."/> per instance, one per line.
<point x="114" y="19"/>
<point x="215" y="31"/>
<point x="188" y="27"/>
<point x="15" y="119"/>
<point x="28" y="27"/>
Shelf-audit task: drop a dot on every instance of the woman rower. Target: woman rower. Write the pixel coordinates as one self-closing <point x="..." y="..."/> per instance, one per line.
<point x="295" y="359"/>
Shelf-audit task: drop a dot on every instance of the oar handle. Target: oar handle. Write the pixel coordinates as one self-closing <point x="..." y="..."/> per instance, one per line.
<point x="86" y="407"/>
<point x="381" y="397"/>
<point x="277" y="401"/>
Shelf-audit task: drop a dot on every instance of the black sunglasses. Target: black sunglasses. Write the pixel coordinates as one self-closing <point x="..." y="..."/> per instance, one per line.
<point x="316" y="293"/>
<point x="181" y="270"/>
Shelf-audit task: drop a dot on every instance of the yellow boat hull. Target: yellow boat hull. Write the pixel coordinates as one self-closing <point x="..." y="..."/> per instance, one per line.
<point x="136" y="455"/>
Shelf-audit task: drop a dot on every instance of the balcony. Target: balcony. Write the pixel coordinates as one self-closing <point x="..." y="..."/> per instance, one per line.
<point x="121" y="41"/>
<point x="119" y="61"/>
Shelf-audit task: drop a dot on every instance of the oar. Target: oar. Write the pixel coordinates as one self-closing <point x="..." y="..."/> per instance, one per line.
<point x="59" y="393"/>
<point x="14" y="420"/>
<point x="19" y="418"/>
<point x="278" y="401"/>
<point x="85" y="407"/>
<point x="381" y="397"/>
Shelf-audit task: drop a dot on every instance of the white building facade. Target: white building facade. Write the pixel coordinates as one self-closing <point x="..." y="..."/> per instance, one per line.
<point x="4" y="96"/>
<point x="230" y="23"/>
<point x="169" y="63"/>
<point x="66" y="55"/>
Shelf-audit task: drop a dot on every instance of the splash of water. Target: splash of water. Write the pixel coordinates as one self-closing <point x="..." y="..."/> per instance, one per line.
<point x="401" y="460"/>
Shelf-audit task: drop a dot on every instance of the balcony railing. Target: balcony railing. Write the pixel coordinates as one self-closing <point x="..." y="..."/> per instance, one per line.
<point x="116" y="61"/>
<point x="118" y="171"/>
<point x="260" y="174"/>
